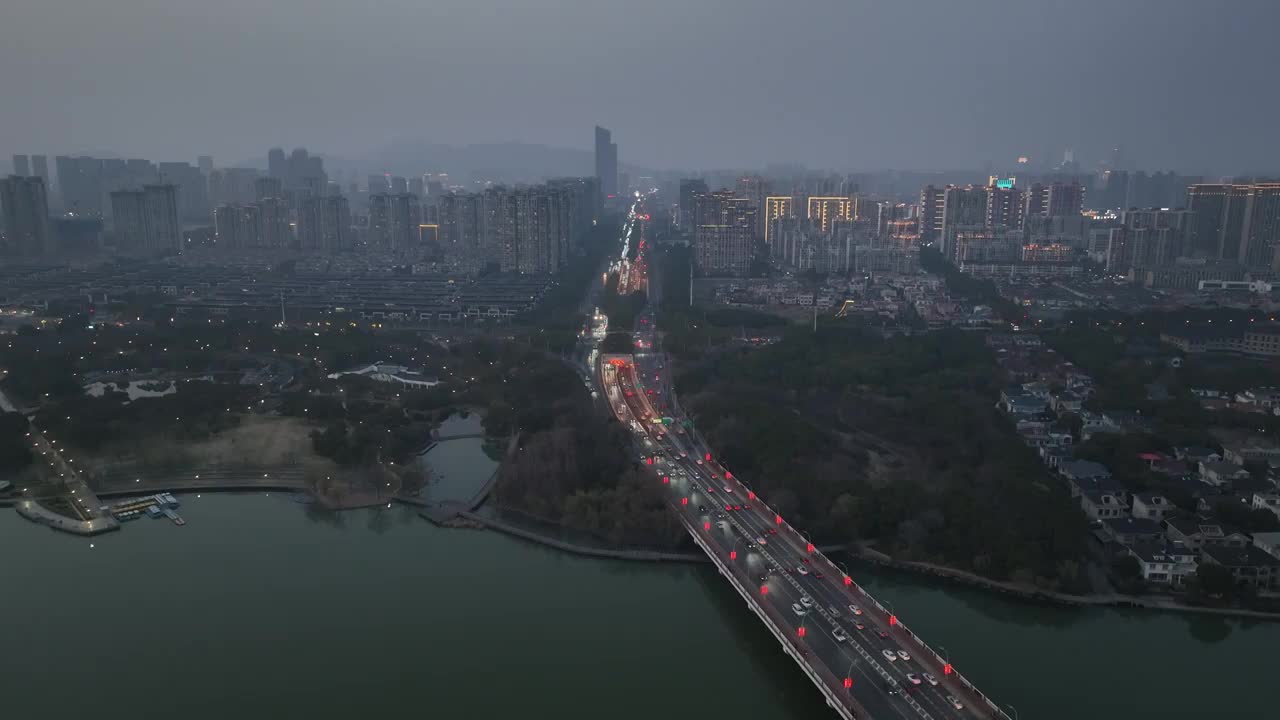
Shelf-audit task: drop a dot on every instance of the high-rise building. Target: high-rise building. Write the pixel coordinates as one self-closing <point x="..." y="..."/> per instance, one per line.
<point x="1054" y="200"/>
<point x="40" y="168"/>
<point x="461" y="220"/>
<point x="1005" y="205"/>
<point x="1236" y="222"/>
<point x="825" y="211"/>
<point x="277" y="165"/>
<point x="689" y="189"/>
<point x="776" y="207"/>
<point x="962" y="207"/>
<point x="723" y="241"/>
<point x="21" y="166"/>
<point x="324" y="224"/>
<point x="232" y="186"/>
<point x="498" y="237"/>
<point x="1260" y="234"/>
<point x="273" y="223"/>
<point x="405" y="212"/>
<point x="268" y="187"/>
<point x="193" y="189"/>
<point x="24" y="202"/>
<point x="204" y="163"/>
<point x="378" y="184"/>
<point x="380" y="221"/>
<point x="932" y="205"/>
<point x="606" y="162"/>
<point x="417" y="186"/>
<point x="1219" y="210"/>
<point x="146" y="220"/>
<point x="754" y="188"/>
<point x="239" y="227"/>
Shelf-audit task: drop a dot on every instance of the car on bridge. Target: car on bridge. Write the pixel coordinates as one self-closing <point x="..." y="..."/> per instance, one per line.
<point x="903" y="654"/>
<point x="955" y="703"/>
<point x="931" y="679"/>
<point x="799" y="610"/>
<point x="855" y="609"/>
<point x="802" y="570"/>
<point x="806" y="601"/>
<point x="914" y="679"/>
<point x="888" y="655"/>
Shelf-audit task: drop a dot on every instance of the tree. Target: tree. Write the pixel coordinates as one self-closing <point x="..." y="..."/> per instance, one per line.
<point x="1215" y="580"/>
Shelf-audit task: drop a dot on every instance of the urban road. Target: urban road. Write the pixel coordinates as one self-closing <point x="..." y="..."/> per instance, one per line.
<point x="863" y="659"/>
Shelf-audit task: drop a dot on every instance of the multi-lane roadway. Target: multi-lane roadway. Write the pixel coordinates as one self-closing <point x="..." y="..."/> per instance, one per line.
<point x="865" y="661"/>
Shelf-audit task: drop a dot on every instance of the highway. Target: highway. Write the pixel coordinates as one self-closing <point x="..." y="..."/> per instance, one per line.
<point x="849" y="644"/>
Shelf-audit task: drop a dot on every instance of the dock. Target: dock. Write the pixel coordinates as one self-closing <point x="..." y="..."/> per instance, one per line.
<point x="153" y="506"/>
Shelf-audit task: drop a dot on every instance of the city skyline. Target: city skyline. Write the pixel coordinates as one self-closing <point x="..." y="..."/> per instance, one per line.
<point x="1147" y="94"/>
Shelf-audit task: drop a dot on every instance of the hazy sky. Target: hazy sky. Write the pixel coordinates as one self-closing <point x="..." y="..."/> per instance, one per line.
<point x="1187" y="84"/>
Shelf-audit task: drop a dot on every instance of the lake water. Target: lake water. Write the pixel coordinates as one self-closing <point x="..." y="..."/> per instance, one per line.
<point x="459" y="467"/>
<point x="263" y="608"/>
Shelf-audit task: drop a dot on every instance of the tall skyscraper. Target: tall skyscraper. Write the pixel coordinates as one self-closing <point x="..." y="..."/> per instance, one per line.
<point x="606" y="162"/>
<point x="24" y="202"/>
<point x="324" y="224"/>
<point x="1005" y="205"/>
<point x="932" y="205"/>
<point x="146" y="220"/>
<point x="21" y="166"/>
<point x="405" y="216"/>
<point x="239" y="227"/>
<point x="205" y="163"/>
<point x="690" y="188"/>
<point x="962" y="207"/>
<point x="380" y="221"/>
<point x="776" y="207"/>
<point x="825" y="212"/>
<point x="277" y="165"/>
<point x="268" y="187"/>
<point x="1260" y="233"/>
<point x="193" y="189"/>
<point x="1219" y="210"/>
<point x="724" y="240"/>
<point x="1054" y="200"/>
<point x="40" y="168"/>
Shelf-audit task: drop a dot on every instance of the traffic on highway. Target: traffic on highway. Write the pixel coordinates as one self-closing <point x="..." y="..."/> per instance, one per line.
<point x="854" y="648"/>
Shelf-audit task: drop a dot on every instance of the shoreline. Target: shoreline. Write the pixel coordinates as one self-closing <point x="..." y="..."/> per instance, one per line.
<point x="870" y="557"/>
<point x="1040" y="596"/>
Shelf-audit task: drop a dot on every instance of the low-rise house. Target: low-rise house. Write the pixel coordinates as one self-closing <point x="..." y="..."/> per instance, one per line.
<point x="1199" y="531"/>
<point x="1151" y="506"/>
<point x="1250" y="566"/>
<point x="1268" y="542"/>
<point x="1221" y="474"/>
<point x="1053" y="456"/>
<point x="1196" y="455"/>
<point x="1266" y="398"/>
<point x="1165" y="563"/>
<point x="1016" y="402"/>
<point x="1103" y="504"/>
<point x="1080" y="474"/>
<point x="1129" y="531"/>
<point x="1259" y="451"/>
<point x="1267" y="501"/>
<point x="1037" y="390"/>
<point x="1067" y="402"/>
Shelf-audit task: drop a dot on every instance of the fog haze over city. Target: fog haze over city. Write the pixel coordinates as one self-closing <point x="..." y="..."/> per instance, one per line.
<point x="715" y="83"/>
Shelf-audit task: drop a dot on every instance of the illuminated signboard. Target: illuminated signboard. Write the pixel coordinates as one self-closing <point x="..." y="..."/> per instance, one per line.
<point x="1004" y="183"/>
